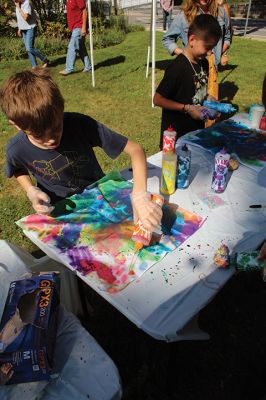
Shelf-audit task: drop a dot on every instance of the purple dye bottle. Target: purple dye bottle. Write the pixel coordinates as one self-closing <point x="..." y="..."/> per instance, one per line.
<point x="220" y="171"/>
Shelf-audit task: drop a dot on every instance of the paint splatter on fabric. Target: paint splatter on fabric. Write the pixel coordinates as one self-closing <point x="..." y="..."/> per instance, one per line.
<point x="211" y="200"/>
<point x="91" y="233"/>
<point x="248" y="144"/>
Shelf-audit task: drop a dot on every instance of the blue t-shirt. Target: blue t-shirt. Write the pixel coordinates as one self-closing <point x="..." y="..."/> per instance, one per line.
<point x="72" y="166"/>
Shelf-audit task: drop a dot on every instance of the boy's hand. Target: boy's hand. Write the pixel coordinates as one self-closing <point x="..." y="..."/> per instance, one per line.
<point x="19" y="33"/>
<point x="40" y="200"/>
<point x="149" y="213"/>
<point x="195" y="111"/>
<point x="212" y="98"/>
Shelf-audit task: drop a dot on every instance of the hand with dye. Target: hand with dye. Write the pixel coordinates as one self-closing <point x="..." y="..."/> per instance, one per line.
<point x="195" y="112"/>
<point x="40" y="201"/>
<point x="148" y="212"/>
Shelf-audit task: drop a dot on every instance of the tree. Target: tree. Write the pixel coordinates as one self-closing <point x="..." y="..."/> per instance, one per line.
<point x="49" y="10"/>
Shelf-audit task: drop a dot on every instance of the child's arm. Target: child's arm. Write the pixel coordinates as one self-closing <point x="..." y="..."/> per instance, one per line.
<point x="40" y="200"/>
<point x="193" y="111"/>
<point x="144" y="209"/>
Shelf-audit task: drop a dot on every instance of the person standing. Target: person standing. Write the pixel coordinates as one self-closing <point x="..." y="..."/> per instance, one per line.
<point x="167" y="6"/>
<point x="77" y="17"/>
<point x="27" y="27"/>
<point x="179" y="30"/>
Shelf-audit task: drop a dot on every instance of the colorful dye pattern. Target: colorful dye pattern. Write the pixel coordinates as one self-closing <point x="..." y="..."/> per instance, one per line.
<point x="91" y="233"/>
<point x="248" y="144"/>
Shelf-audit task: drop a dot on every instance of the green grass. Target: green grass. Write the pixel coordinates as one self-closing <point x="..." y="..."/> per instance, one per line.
<point x="122" y="100"/>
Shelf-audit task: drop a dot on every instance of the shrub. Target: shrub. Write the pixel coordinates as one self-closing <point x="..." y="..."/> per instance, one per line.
<point x="56" y="30"/>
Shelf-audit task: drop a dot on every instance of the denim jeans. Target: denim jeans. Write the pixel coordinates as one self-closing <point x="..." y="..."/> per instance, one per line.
<point x="77" y="44"/>
<point x="167" y="17"/>
<point x="29" y="38"/>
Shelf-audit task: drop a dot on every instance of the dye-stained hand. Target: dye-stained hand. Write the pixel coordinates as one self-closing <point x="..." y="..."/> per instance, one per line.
<point x="40" y="201"/>
<point x="149" y="213"/>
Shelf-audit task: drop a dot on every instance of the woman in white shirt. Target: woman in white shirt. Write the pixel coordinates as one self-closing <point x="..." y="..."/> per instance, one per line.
<point x="27" y="21"/>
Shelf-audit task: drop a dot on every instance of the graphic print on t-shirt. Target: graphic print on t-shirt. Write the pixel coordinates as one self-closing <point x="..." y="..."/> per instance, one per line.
<point x="69" y="163"/>
<point x="201" y="86"/>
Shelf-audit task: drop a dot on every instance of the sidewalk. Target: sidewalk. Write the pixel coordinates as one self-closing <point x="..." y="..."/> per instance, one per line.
<point x="142" y="14"/>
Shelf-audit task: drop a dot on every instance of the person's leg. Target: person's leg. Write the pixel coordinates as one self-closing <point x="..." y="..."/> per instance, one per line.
<point x="84" y="54"/>
<point x="72" y="49"/>
<point x="164" y="20"/>
<point x="27" y="35"/>
<point x="35" y="52"/>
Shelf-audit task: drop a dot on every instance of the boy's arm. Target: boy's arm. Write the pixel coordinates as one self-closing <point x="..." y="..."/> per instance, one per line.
<point x="40" y="200"/>
<point x="144" y="209"/>
<point x="168" y="104"/>
<point x="172" y="35"/>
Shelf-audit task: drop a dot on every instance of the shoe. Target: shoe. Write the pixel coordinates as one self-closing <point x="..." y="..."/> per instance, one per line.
<point x="45" y="64"/>
<point x="64" y="72"/>
<point x="87" y="70"/>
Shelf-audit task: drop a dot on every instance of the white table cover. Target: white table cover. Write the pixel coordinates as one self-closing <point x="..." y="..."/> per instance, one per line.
<point x="170" y="294"/>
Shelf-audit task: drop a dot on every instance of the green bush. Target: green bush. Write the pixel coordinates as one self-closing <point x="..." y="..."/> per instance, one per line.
<point x="110" y="37"/>
<point x="56" y="30"/>
<point x="14" y="48"/>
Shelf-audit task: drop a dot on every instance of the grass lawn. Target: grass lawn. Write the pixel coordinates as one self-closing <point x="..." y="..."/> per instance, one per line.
<point x="122" y="100"/>
<point x="229" y="366"/>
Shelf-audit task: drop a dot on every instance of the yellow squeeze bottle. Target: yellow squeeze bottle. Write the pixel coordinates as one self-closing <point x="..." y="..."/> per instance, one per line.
<point x="168" y="177"/>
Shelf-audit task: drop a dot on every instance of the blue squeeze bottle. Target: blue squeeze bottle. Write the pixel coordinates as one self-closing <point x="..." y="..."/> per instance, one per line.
<point x="225" y="108"/>
<point x="183" y="169"/>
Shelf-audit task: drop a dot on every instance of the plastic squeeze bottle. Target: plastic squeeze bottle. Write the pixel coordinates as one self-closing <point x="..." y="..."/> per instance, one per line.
<point x="168" y="177"/>
<point x="183" y="169"/>
<point x="220" y="171"/>
<point x="169" y="138"/>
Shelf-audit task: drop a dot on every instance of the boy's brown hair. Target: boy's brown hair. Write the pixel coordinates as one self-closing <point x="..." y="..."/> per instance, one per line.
<point x="32" y="100"/>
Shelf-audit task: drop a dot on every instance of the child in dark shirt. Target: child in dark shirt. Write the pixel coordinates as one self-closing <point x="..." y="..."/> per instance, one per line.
<point x="57" y="147"/>
<point x="184" y="85"/>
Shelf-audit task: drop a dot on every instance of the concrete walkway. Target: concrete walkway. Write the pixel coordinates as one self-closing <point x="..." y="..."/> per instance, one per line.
<point x="141" y="15"/>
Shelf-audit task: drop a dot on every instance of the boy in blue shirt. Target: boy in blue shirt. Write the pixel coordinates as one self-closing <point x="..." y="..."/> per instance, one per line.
<point x="57" y="147"/>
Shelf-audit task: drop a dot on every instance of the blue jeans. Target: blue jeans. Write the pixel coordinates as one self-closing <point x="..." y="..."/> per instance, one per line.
<point x="77" y="44"/>
<point x="29" y="38"/>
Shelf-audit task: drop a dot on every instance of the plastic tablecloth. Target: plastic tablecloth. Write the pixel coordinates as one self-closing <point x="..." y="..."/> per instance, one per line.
<point x="83" y="369"/>
<point x="168" y="297"/>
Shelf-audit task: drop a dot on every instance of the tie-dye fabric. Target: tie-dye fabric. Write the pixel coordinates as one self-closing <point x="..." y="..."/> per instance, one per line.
<point x="91" y="233"/>
<point x="248" y="144"/>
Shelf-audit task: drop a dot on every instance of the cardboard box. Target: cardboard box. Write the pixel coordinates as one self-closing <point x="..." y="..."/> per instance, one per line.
<point x="28" y="329"/>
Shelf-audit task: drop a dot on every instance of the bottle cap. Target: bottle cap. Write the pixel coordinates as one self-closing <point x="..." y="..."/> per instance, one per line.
<point x="223" y="151"/>
<point x="170" y="129"/>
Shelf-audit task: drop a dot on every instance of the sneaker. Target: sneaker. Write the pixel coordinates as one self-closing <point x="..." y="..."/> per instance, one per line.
<point x="64" y="72"/>
<point x="45" y="64"/>
<point x="87" y="70"/>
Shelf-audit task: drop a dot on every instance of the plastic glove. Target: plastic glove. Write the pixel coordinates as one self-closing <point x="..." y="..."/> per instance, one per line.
<point x="149" y="213"/>
<point x="40" y="200"/>
<point x="195" y="112"/>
